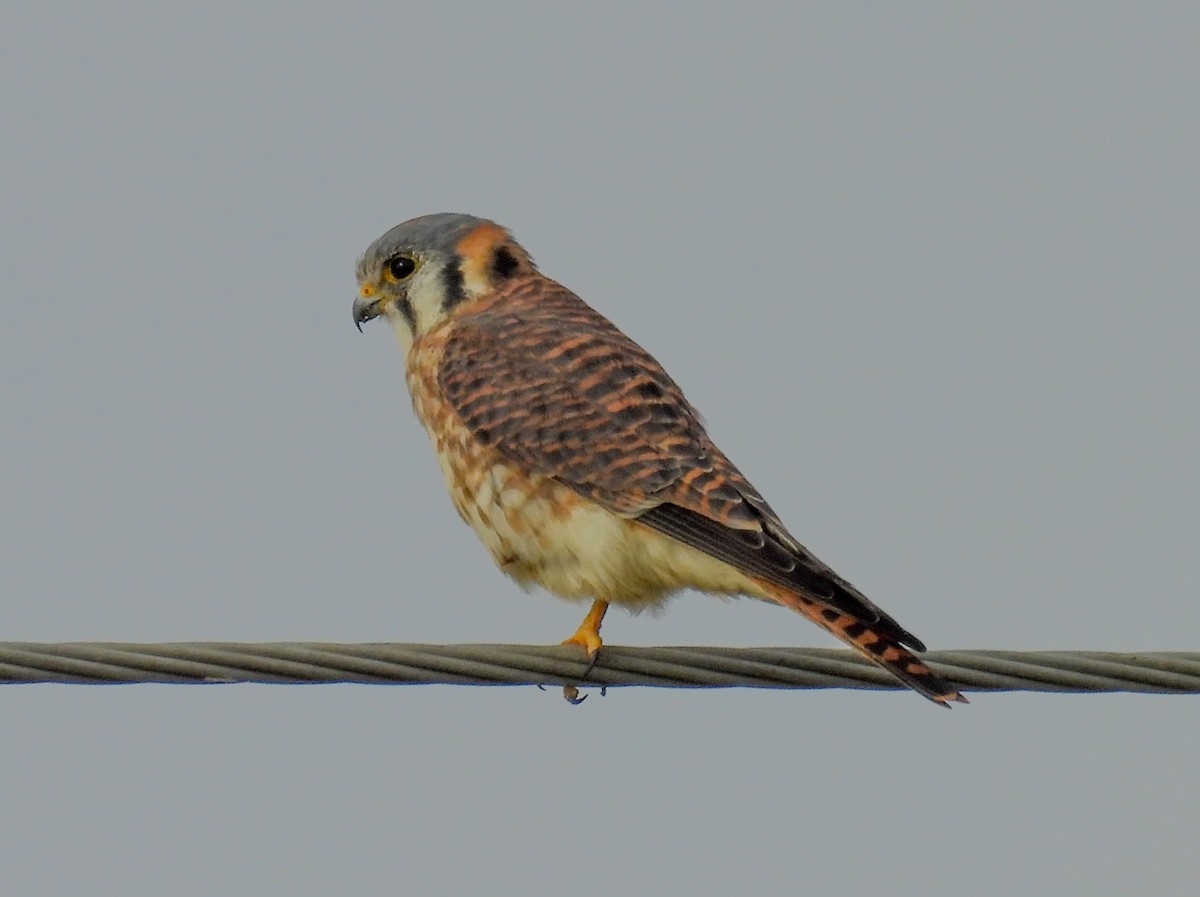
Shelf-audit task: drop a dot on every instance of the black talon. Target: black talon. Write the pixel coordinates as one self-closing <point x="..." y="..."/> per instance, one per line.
<point x="571" y="693"/>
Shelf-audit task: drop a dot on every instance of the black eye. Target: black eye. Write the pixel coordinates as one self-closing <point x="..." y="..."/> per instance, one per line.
<point x="400" y="267"/>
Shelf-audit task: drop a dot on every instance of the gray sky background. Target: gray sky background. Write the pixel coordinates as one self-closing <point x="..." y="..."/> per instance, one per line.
<point x="929" y="271"/>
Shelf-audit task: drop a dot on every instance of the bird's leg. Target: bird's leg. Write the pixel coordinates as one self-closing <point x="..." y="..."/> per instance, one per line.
<point x="588" y="633"/>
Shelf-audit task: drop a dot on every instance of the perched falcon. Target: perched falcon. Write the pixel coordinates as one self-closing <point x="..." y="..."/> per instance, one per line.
<point x="576" y="458"/>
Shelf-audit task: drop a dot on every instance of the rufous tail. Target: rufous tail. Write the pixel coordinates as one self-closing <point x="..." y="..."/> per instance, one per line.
<point x="873" y="644"/>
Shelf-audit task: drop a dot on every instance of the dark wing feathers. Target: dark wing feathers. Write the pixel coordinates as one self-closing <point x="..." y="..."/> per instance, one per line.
<point x="562" y="392"/>
<point x="761" y="555"/>
<point x="555" y="387"/>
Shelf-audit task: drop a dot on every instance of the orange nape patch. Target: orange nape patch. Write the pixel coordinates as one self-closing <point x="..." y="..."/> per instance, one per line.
<point x="476" y="250"/>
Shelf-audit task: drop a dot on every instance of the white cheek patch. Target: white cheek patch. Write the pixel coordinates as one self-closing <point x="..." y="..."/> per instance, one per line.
<point x="419" y="308"/>
<point x="426" y="296"/>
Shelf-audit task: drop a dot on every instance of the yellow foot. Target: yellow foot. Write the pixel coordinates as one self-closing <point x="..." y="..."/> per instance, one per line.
<point x="588" y="638"/>
<point x="588" y="633"/>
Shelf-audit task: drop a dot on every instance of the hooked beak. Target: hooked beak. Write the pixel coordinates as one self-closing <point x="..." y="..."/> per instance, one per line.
<point x="366" y="307"/>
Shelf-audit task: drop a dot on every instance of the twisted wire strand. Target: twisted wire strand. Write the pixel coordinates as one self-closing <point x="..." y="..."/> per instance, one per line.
<point x="306" y="663"/>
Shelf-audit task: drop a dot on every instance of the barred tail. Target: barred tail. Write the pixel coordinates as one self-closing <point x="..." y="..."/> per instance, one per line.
<point x="872" y="643"/>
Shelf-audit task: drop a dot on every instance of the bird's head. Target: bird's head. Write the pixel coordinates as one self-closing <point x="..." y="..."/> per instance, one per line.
<point x="418" y="272"/>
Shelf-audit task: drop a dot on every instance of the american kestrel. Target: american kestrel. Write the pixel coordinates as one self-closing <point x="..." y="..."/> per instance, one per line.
<point x="575" y="457"/>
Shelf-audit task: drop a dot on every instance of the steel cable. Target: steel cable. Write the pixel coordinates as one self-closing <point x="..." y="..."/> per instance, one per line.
<point x="299" y="663"/>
